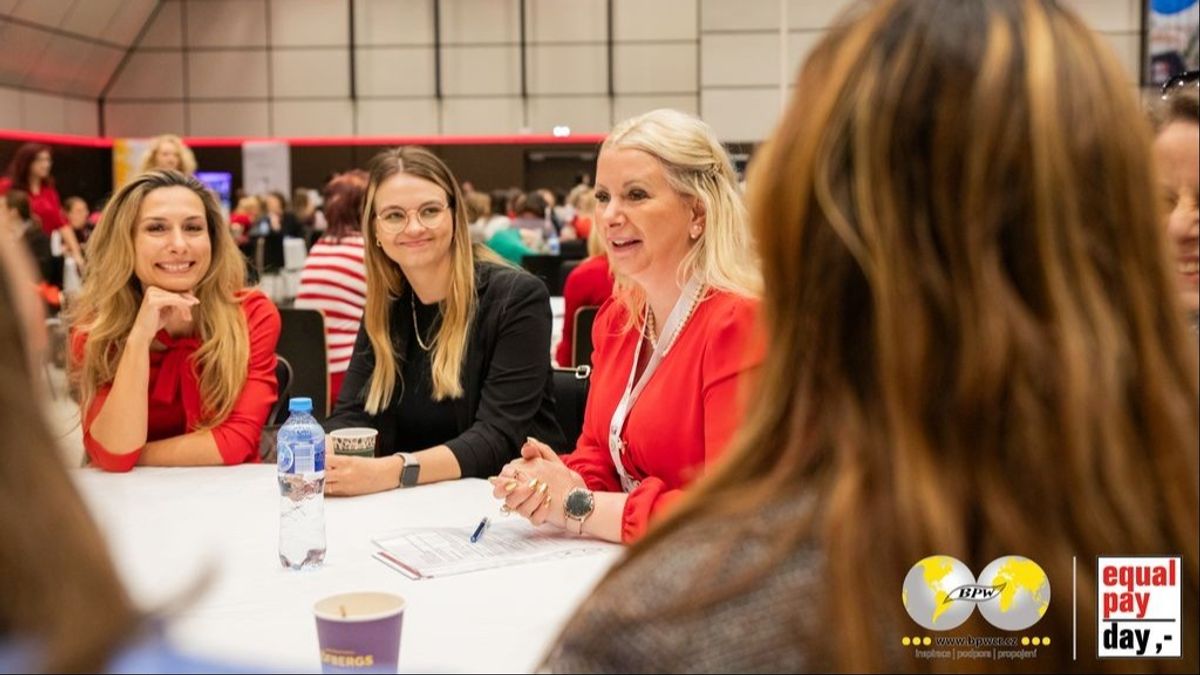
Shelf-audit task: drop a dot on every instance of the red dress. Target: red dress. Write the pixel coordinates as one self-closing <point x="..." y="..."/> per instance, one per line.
<point x="589" y="284"/>
<point x="685" y="415"/>
<point x="175" y="404"/>
<point x="45" y="205"/>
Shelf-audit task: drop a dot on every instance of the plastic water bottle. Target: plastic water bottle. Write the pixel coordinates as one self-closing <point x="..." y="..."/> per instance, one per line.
<point x="553" y="245"/>
<point x="301" y="446"/>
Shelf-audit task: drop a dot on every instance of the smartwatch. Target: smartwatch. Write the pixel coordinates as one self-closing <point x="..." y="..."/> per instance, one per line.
<point x="411" y="471"/>
<point x="578" y="505"/>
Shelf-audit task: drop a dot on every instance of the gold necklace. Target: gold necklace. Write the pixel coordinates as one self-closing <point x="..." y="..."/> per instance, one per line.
<point x="651" y="328"/>
<point x="417" y="327"/>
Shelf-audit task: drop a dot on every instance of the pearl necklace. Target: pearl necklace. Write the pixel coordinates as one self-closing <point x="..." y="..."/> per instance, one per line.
<point x="651" y="329"/>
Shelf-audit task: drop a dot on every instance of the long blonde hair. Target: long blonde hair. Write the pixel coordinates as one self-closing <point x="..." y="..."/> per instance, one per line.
<point x="111" y="296"/>
<point x="386" y="282"/>
<point x="696" y="165"/>
<point x="975" y="345"/>
<point x="187" y="159"/>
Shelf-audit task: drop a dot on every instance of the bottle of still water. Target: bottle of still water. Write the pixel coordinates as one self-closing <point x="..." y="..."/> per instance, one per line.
<point x="301" y="447"/>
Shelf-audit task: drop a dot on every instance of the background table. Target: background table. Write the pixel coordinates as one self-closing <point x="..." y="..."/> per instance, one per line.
<point x="166" y="527"/>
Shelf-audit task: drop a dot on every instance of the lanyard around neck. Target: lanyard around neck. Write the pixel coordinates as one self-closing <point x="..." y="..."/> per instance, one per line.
<point x="633" y="389"/>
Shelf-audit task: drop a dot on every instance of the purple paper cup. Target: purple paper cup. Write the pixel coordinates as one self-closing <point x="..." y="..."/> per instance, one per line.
<point x="359" y="632"/>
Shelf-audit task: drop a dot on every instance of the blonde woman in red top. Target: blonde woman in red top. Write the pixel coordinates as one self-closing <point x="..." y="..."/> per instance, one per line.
<point x="174" y="359"/>
<point x="671" y="347"/>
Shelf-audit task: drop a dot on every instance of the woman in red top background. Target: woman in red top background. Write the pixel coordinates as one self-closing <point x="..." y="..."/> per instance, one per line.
<point x="675" y="229"/>
<point x="590" y="284"/>
<point x="174" y="359"/>
<point x="30" y="171"/>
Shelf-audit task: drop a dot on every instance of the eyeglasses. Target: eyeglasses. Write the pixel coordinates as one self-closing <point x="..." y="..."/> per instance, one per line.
<point x="1180" y="81"/>
<point x="394" y="220"/>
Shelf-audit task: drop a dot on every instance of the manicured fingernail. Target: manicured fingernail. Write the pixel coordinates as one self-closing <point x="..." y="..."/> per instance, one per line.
<point x="510" y="486"/>
<point x="533" y="484"/>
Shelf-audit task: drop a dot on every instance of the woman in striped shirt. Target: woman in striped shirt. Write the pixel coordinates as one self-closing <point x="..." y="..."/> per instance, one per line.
<point x="334" y="279"/>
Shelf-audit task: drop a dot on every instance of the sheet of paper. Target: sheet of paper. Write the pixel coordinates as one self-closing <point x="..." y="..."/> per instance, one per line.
<point x="444" y="551"/>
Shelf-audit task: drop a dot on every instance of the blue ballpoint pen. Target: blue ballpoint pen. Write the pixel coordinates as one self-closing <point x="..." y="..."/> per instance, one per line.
<point x="479" y="530"/>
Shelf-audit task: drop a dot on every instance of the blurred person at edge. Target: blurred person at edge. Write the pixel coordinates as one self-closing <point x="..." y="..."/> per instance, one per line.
<point x="1177" y="154"/>
<point x="64" y="608"/>
<point x="960" y="362"/>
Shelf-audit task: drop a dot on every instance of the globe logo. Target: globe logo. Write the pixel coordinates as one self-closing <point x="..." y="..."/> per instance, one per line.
<point x="927" y="588"/>
<point x="1012" y="592"/>
<point x="1024" y="595"/>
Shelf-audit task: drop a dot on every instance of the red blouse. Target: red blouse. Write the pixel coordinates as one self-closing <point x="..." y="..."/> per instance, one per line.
<point x="685" y="415"/>
<point x="45" y="205"/>
<point x="591" y="283"/>
<point x="175" y="404"/>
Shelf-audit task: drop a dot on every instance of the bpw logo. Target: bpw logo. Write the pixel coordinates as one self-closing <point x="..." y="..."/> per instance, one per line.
<point x="975" y="593"/>
<point x="940" y="593"/>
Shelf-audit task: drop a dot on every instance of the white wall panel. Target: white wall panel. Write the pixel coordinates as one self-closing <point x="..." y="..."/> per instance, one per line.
<point x="394" y="71"/>
<point x="297" y="23"/>
<point x="227" y="74"/>
<point x="416" y="117"/>
<point x="312" y="72"/>
<point x="228" y="119"/>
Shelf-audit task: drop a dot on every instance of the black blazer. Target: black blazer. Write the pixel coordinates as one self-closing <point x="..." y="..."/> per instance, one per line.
<point x="508" y="391"/>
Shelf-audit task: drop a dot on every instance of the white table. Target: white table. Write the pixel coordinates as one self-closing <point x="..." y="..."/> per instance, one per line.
<point x="165" y="527"/>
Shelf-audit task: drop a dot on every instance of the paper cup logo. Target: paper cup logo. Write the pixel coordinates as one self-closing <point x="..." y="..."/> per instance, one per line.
<point x="940" y="593"/>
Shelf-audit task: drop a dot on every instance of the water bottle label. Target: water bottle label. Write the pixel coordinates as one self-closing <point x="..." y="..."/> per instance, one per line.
<point x="305" y="457"/>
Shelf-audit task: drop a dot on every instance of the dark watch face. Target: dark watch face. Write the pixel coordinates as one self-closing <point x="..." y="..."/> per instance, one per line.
<point x="408" y="475"/>
<point x="579" y="503"/>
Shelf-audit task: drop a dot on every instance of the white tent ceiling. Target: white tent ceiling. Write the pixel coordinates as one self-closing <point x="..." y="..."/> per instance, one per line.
<point x="69" y="47"/>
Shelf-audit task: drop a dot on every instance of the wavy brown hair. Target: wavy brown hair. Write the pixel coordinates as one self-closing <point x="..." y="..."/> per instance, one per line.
<point x="111" y="296"/>
<point x="974" y="349"/>
<point x="62" y="596"/>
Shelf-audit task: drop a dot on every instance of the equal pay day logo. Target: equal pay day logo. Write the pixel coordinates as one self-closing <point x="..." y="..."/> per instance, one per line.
<point x="1139" y="599"/>
<point x="940" y="593"/>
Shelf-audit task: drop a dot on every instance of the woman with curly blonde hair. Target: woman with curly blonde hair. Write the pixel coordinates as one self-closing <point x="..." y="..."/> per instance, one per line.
<point x="168" y="153"/>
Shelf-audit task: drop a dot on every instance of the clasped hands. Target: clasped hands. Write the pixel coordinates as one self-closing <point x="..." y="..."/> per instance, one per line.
<point x="536" y="485"/>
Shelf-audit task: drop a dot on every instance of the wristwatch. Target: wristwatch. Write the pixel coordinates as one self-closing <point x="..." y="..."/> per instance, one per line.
<point x="411" y="470"/>
<point x="578" y="505"/>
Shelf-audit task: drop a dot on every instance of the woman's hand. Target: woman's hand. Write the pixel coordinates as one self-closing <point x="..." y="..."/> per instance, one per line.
<point x="346" y="476"/>
<point x="160" y="307"/>
<point x="536" y="485"/>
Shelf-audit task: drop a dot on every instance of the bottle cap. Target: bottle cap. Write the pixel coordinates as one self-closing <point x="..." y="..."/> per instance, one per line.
<point x="300" y="404"/>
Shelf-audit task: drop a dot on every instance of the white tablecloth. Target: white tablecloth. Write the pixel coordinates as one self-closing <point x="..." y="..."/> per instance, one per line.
<point x="167" y="526"/>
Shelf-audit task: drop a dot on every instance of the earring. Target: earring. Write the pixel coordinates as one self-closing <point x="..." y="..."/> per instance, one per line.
<point x="379" y="243"/>
<point x="696" y="233"/>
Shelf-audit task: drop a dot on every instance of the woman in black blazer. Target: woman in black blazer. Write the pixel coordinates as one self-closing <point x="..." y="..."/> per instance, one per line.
<point x="452" y="362"/>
